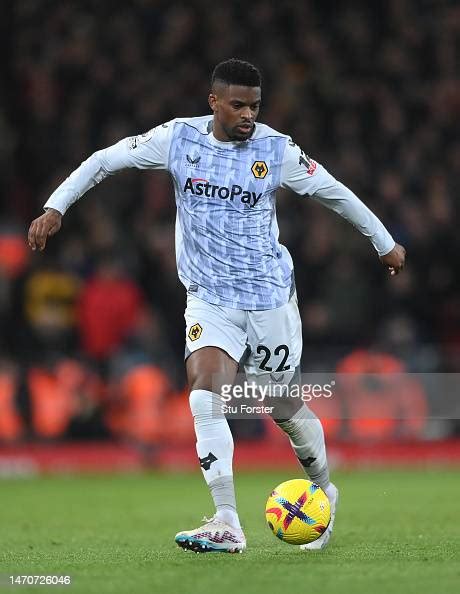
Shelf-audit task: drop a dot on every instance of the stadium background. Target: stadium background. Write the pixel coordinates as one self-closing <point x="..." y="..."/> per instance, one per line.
<point x="91" y="344"/>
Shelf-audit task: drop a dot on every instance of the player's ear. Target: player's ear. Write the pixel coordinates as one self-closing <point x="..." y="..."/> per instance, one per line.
<point x="212" y="100"/>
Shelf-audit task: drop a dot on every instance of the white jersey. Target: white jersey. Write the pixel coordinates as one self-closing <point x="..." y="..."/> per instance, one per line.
<point x="227" y="246"/>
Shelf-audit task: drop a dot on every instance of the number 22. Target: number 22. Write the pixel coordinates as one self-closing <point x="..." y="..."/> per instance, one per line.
<point x="267" y="354"/>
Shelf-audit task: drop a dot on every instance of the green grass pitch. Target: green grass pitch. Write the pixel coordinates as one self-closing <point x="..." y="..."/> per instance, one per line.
<point x="396" y="532"/>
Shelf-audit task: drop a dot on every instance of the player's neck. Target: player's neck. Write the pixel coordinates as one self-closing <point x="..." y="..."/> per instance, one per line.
<point x="219" y="133"/>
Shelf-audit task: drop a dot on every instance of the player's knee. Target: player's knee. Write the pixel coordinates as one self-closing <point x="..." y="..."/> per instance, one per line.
<point x="286" y="406"/>
<point x="201" y="381"/>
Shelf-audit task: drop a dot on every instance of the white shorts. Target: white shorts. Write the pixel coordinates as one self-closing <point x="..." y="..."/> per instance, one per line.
<point x="268" y="341"/>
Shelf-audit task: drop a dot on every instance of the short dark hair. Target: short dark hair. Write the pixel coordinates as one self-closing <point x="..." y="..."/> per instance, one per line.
<point x="236" y="72"/>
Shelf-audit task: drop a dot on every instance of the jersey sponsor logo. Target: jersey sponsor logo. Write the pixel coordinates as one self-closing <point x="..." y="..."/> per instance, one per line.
<point x="259" y="169"/>
<point x="309" y="163"/>
<point x="193" y="160"/>
<point x="195" y="332"/>
<point x="201" y="187"/>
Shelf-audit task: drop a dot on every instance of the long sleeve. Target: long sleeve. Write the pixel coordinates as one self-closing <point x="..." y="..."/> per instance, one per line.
<point x="307" y="177"/>
<point x="146" y="151"/>
<point x="344" y="202"/>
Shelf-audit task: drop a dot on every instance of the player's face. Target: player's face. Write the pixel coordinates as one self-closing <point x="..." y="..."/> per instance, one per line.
<point x="235" y="110"/>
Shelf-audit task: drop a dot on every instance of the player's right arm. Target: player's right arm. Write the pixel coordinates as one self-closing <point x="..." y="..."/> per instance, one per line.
<point x="146" y="151"/>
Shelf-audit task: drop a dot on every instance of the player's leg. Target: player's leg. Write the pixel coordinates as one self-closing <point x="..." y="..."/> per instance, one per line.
<point x="216" y="348"/>
<point x="305" y="433"/>
<point x="275" y="338"/>
<point x="306" y="436"/>
<point x="214" y="441"/>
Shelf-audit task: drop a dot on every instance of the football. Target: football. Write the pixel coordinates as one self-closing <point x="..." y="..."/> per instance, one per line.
<point x="298" y="511"/>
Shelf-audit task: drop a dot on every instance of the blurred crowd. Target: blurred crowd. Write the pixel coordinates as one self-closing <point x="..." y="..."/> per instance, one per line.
<point x="369" y="89"/>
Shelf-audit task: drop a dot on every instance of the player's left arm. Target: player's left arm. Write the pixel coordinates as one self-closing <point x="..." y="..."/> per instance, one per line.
<point x="307" y="177"/>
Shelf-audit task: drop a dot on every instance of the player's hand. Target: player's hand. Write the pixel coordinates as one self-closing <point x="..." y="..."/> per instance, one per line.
<point x="43" y="227"/>
<point x="394" y="260"/>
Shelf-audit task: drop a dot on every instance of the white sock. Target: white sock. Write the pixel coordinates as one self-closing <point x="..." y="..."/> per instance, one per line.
<point x="307" y="440"/>
<point x="214" y="446"/>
